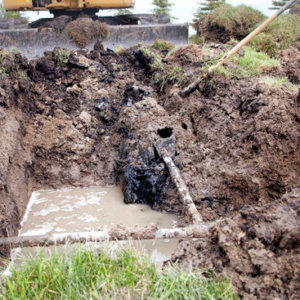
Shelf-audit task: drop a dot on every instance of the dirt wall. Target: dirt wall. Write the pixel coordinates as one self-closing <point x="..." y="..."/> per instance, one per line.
<point x="81" y="119"/>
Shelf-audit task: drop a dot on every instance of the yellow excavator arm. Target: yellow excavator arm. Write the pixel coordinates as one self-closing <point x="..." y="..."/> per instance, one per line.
<point x="66" y="4"/>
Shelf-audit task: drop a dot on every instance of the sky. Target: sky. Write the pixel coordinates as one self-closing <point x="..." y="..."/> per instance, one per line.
<point x="183" y="10"/>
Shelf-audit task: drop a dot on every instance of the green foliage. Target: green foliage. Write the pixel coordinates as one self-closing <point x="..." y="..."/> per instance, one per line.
<point x="162" y="74"/>
<point x="2" y="11"/>
<point x="92" y="274"/>
<point x="285" y="29"/>
<point x="232" y="17"/>
<point x="282" y="82"/>
<point x="194" y="39"/>
<point x="278" y="4"/>
<point x="206" y="7"/>
<point x="226" y="22"/>
<point x="7" y="61"/>
<point x="279" y="34"/>
<point x="9" y="14"/>
<point x="162" y="7"/>
<point x="264" y="42"/>
<point x="174" y="283"/>
<point x="252" y="63"/>
<point x="162" y="45"/>
<point x="61" y="56"/>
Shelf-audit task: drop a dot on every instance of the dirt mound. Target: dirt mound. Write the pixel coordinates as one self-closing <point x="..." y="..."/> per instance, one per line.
<point x="259" y="248"/>
<point x="84" y="30"/>
<point x="295" y="10"/>
<point x="187" y="54"/>
<point x="290" y="60"/>
<point x="227" y="22"/>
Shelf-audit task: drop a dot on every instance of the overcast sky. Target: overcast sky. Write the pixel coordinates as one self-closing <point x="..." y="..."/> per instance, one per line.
<point x="183" y="10"/>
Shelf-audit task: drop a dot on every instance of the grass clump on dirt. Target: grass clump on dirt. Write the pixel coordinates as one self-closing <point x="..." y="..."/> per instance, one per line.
<point x="162" y="45"/>
<point x="281" y="82"/>
<point x="279" y="34"/>
<point x="84" y="30"/>
<point x="92" y="274"/>
<point x="61" y="56"/>
<point x="252" y="63"/>
<point x="163" y="74"/>
<point x="7" y="61"/>
<point x="265" y="43"/>
<point x="285" y="29"/>
<point x="226" y="22"/>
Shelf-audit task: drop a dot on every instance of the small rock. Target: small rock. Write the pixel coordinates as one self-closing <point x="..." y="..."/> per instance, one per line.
<point x="85" y="117"/>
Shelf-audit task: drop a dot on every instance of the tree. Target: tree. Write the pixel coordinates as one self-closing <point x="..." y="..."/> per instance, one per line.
<point x="162" y="7"/>
<point x="8" y="14"/>
<point x="206" y="7"/>
<point x="279" y="4"/>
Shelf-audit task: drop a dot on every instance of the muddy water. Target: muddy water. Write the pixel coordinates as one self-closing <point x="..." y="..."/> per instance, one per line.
<point x="92" y="209"/>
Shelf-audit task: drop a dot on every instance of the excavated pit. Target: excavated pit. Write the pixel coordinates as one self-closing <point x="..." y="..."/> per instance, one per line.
<point x="96" y="118"/>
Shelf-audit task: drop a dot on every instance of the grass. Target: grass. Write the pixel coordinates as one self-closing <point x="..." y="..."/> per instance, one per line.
<point x="231" y="17"/>
<point x="61" y="56"/>
<point x="194" y="39"/>
<point x="162" y="73"/>
<point x="162" y="45"/>
<point x="279" y="34"/>
<point x="235" y="21"/>
<point x="264" y="42"/>
<point x="281" y="82"/>
<point x="253" y="63"/>
<point x="7" y="59"/>
<point x="284" y="30"/>
<point x="94" y="274"/>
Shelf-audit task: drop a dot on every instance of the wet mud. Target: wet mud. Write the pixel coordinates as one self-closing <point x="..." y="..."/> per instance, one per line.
<point x="96" y="119"/>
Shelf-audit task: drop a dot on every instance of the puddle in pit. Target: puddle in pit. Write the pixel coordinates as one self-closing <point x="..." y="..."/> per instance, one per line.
<point x="92" y="209"/>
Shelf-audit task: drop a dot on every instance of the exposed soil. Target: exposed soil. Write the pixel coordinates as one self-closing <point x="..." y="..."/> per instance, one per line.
<point x="258" y="248"/>
<point x="97" y="119"/>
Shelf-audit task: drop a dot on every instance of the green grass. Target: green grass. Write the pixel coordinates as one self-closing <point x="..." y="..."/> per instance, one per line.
<point x="194" y="39"/>
<point x="251" y="64"/>
<point x="162" y="45"/>
<point x="61" y="56"/>
<point x="282" y="82"/>
<point x="162" y="74"/>
<point x="238" y="21"/>
<point x="279" y="34"/>
<point x="284" y="30"/>
<point x="264" y="42"/>
<point x="94" y="274"/>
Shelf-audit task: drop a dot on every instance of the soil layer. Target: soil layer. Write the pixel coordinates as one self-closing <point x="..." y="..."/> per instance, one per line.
<point x="83" y="119"/>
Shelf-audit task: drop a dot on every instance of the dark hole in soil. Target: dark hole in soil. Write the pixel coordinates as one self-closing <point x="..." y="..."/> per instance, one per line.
<point x="184" y="126"/>
<point x="165" y="132"/>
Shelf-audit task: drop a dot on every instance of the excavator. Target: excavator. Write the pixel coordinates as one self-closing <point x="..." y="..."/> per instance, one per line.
<point x="125" y="30"/>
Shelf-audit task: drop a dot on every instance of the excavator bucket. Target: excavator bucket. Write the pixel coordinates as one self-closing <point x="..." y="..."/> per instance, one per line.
<point x="33" y="42"/>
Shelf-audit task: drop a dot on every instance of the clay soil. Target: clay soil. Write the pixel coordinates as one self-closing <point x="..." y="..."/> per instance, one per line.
<point x="98" y="118"/>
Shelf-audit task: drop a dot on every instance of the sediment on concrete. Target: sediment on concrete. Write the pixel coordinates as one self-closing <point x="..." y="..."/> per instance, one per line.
<point x="34" y="42"/>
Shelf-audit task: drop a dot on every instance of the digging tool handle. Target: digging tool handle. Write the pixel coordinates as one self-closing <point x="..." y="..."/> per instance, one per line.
<point x="241" y="44"/>
<point x="247" y="39"/>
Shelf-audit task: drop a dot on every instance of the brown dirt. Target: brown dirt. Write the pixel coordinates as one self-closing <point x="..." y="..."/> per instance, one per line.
<point x="84" y="30"/>
<point x="290" y="61"/>
<point x="295" y="9"/>
<point x="258" y="248"/>
<point x="217" y="28"/>
<point x="97" y="120"/>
